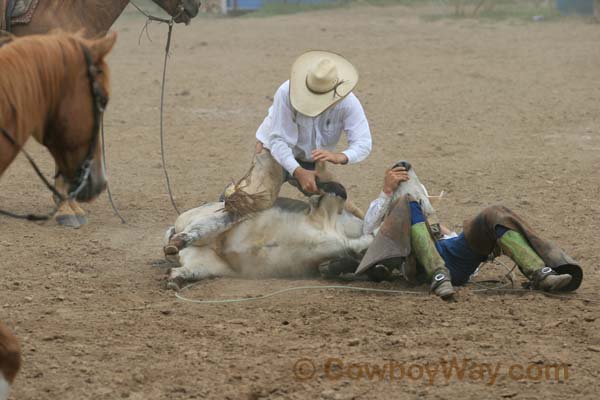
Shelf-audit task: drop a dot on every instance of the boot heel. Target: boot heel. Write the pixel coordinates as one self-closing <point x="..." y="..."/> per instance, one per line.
<point x="442" y="287"/>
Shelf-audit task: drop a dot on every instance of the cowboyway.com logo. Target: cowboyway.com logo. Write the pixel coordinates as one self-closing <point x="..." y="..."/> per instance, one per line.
<point x="443" y="371"/>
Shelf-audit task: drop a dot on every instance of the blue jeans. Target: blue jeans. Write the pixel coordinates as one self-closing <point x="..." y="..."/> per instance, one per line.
<point x="458" y="256"/>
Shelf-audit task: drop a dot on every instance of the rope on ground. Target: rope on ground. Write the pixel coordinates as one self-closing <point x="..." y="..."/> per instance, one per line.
<point x="292" y="289"/>
<point x="181" y="297"/>
<point x="500" y="287"/>
<point x="509" y="277"/>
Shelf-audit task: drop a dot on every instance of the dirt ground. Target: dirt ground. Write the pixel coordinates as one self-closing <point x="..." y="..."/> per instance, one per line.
<point x="490" y="112"/>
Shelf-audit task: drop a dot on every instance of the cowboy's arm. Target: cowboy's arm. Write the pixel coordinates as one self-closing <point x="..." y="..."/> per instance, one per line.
<point x="380" y="206"/>
<point x="357" y="129"/>
<point x="283" y="133"/>
<point x="282" y="153"/>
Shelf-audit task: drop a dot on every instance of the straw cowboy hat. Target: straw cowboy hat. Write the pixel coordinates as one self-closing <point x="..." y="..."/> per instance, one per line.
<point x="319" y="80"/>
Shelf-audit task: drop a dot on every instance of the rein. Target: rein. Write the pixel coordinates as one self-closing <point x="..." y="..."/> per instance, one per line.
<point x="170" y="23"/>
<point x="158" y="19"/>
<point x="99" y="101"/>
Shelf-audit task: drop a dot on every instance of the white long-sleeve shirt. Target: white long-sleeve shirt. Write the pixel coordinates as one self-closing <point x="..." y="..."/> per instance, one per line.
<point x="376" y="213"/>
<point x="378" y="209"/>
<point x="291" y="135"/>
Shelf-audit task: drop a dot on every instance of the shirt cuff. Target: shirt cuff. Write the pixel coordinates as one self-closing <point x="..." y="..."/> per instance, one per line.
<point x="352" y="156"/>
<point x="290" y="165"/>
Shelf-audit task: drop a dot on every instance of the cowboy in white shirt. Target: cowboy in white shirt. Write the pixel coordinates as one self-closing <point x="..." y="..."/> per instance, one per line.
<point x="301" y="131"/>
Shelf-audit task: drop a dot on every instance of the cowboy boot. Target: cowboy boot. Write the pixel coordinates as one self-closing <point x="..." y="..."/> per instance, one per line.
<point x="428" y="256"/>
<point x="515" y="245"/>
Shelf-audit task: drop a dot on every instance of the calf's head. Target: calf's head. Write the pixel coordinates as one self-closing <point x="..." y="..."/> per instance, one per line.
<point x="329" y="204"/>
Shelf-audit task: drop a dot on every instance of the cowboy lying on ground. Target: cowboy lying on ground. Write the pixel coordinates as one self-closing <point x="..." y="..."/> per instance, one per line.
<point x="301" y="131"/>
<point x="453" y="258"/>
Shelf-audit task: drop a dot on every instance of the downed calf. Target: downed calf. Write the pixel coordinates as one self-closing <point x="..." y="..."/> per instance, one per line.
<point x="291" y="239"/>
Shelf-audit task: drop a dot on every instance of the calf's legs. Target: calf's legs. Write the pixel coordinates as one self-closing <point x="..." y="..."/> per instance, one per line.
<point x="197" y="263"/>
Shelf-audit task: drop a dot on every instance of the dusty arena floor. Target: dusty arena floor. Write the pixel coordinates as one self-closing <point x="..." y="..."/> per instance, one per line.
<point x="490" y="112"/>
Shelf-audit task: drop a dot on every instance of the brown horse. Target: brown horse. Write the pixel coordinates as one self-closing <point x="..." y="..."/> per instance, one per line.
<point x="52" y="87"/>
<point x="95" y="17"/>
<point x="10" y="360"/>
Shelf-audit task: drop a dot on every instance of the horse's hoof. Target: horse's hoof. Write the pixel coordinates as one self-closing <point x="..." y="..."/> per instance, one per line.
<point x="171" y="250"/>
<point x="70" y="221"/>
<point x="82" y="219"/>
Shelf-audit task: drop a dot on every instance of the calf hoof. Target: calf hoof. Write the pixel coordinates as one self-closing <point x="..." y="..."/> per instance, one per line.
<point x="170" y="250"/>
<point x="176" y="243"/>
<point x="172" y="259"/>
<point x="175" y="284"/>
<point x="68" y="220"/>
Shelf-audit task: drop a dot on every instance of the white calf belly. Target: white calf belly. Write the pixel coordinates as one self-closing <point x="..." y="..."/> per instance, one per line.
<point x="279" y="246"/>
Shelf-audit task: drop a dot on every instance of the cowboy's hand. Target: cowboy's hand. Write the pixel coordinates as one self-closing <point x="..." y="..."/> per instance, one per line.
<point x="259" y="147"/>
<point x="393" y="178"/>
<point x="306" y="179"/>
<point x="334" y="158"/>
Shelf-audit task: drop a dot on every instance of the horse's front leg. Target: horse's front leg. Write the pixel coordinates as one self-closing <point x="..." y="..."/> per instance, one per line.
<point x="65" y="216"/>
<point x="68" y="212"/>
<point x="79" y="212"/>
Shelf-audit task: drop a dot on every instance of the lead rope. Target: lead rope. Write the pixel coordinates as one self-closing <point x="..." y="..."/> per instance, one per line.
<point x="109" y="192"/>
<point x="170" y="23"/>
<point x="162" y="103"/>
<point x="110" y="198"/>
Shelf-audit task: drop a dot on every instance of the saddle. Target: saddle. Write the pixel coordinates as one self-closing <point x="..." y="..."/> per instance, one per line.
<point x="16" y="12"/>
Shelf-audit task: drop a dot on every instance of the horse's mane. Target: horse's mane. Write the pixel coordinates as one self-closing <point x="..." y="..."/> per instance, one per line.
<point x="33" y="72"/>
